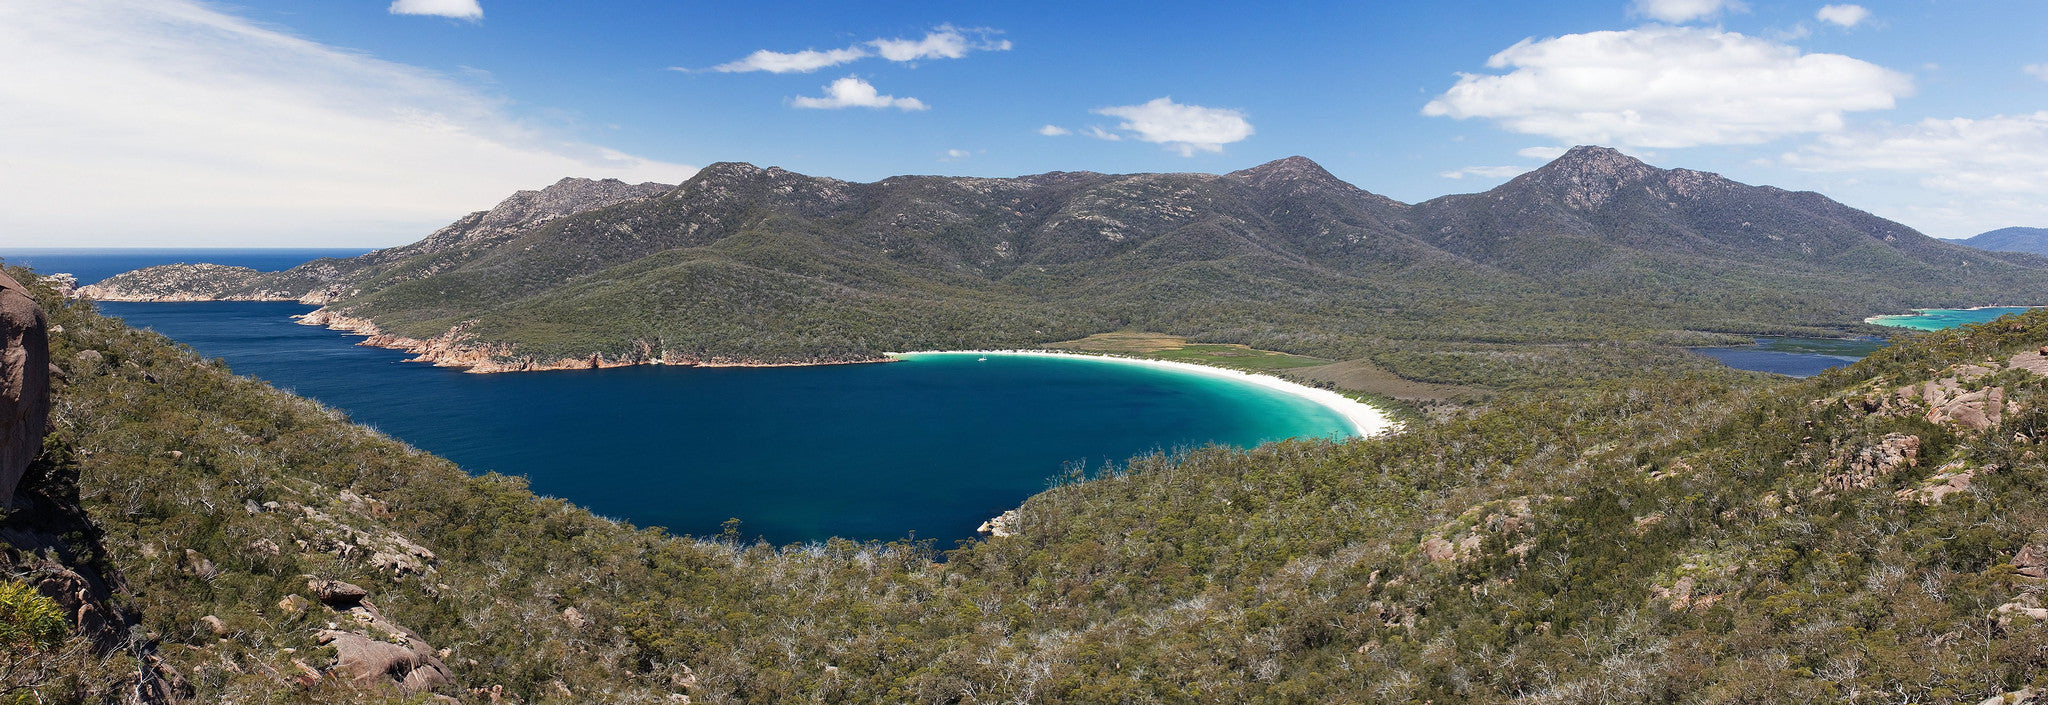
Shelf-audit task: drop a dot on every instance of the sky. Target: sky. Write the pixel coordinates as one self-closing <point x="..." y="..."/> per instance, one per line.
<point x="345" y="123"/>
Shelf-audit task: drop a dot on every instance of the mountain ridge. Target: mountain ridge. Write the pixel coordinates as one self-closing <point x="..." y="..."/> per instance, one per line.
<point x="742" y="262"/>
<point x="2013" y="239"/>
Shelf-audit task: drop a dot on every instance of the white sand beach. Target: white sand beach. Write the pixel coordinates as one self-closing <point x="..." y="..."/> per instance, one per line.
<point x="1365" y="419"/>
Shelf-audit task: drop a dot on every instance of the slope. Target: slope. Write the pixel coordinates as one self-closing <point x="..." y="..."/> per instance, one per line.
<point x="1872" y="534"/>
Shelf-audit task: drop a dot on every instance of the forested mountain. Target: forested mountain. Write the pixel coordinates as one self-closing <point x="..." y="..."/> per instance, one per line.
<point x="743" y="264"/>
<point x="1875" y="534"/>
<point x="2034" y="240"/>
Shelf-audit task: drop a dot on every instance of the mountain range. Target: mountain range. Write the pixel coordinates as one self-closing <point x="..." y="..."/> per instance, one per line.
<point x="745" y="265"/>
<point x="2034" y="240"/>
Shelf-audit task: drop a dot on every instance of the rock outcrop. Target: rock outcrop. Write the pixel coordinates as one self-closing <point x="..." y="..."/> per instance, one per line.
<point x="371" y="650"/>
<point x="1002" y="525"/>
<point x="1858" y="468"/>
<point x="24" y="383"/>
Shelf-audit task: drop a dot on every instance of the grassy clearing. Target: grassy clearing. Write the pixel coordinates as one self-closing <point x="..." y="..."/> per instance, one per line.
<point x="1159" y="346"/>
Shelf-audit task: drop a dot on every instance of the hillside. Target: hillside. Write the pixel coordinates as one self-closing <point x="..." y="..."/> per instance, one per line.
<point x="2031" y="240"/>
<point x="748" y="265"/>
<point x="1873" y="534"/>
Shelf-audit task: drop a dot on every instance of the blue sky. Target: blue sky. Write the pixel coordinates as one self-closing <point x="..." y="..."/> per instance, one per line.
<point x="371" y="122"/>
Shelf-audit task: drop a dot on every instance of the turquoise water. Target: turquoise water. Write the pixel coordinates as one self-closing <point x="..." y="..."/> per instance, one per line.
<point x="1794" y="357"/>
<point x="930" y="446"/>
<point x="1942" y="318"/>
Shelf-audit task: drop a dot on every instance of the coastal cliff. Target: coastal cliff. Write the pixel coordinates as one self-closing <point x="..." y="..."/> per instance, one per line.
<point x="455" y="349"/>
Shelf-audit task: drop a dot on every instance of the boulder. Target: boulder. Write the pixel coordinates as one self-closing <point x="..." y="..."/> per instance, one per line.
<point x="337" y="594"/>
<point x="24" y="383"/>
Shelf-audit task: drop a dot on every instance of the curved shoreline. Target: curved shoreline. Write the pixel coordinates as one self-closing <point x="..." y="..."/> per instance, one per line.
<point x="1365" y="419"/>
<point x="1923" y="311"/>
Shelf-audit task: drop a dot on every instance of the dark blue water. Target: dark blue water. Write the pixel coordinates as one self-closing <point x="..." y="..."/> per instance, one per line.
<point x="93" y="264"/>
<point x="1794" y="357"/>
<point x="933" y="445"/>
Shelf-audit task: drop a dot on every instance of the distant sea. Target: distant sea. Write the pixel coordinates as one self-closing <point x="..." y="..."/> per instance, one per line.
<point x="929" y="447"/>
<point x="93" y="264"/>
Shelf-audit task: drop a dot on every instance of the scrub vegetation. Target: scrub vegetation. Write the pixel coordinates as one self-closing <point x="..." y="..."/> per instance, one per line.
<point x="1672" y="535"/>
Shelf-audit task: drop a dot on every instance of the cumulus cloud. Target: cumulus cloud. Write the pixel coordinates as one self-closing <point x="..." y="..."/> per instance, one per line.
<point x="954" y="155"/>
<point x="2006" y="153"/>
<point x="1097" y="132"/>
<point x="851" y="92"/>
<point x="458" y="9"/>
<point x="1971" y="174"/>
<point x="1661" y="86"/>
<point x="218" y="130"/>
<point x="1844" y="15"/>
<point x="1684" y="10"/>
<point x="1488" y="172"/>
<point x="1054" y="131"/>
<point x="1182" y="128"/>
<point x="2039" y="71"/>
<point x="1543" y="153"/>
<point x="943" y="42"/>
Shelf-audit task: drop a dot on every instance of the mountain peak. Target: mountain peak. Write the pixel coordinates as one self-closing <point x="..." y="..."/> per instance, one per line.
<point x="1594" y="159"/>
<point x="1588" y="175"/>
<point x="1295" y="167"/>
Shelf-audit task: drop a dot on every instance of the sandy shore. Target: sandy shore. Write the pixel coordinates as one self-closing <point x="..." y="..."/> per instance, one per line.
<point x="1365" y="419"/>
<point x="1923" y="311"/>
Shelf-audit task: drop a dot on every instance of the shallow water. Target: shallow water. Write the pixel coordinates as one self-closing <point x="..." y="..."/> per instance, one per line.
<point x="1942" y="318"/>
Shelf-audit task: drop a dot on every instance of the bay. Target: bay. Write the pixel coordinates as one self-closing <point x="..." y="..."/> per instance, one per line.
<point x="928" y="447"/>
<point x="1943" y="318"/>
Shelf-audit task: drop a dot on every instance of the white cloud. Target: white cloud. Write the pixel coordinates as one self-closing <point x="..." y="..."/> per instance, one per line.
<point x="954" y="155"/>
<point x="943" y="42"/>
<point x="1543" y="153"/>
<point x="1684" y="10"/>
<point x="1097" y="132"/>
<point x="1489" y="172"/>
<point x="458" y="9"/>
<point x="2007" y="153"/>
<point x="169" y="122"/>
<point x="1844" y="15"/>
<point x="1660" y="86"/>
<point x="804" y="61"/>
<point x="851" y="92"/>
<point x="1183" y="128"/>
<point x="1971" y="173"/>
<point x="1054" y="131"/>
<point x="2039" y="71"/>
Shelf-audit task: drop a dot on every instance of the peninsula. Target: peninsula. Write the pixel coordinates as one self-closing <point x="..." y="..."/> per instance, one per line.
<point x="742" y="265"/>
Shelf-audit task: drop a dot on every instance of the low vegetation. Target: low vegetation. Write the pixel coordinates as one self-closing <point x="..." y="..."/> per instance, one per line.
<point x="1674" y="535"/>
